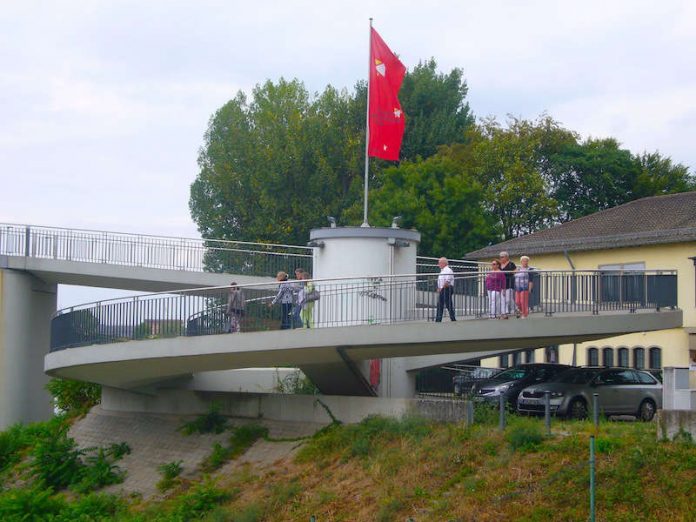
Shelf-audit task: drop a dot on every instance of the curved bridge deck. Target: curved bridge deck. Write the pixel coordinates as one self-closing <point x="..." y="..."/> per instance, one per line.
<point x="137" y="342"/>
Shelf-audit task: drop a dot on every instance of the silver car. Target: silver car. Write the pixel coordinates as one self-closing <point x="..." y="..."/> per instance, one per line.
<point x="621" y="391"/>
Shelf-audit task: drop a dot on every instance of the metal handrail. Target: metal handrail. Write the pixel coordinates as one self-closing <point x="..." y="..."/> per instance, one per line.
<point x="459" y="276"/>
<point x="148" y="251"/>
<point x="347" y="301"/>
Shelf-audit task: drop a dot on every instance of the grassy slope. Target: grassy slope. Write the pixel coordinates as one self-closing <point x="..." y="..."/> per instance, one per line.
<point x="386" y="470"/>
<point x="382" y="470"/>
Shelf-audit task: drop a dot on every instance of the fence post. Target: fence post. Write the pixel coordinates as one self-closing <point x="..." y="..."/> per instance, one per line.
<point x="595" y="409"/>
<point x="547" y="411"/>
<point x="592" y="478"/>
<point x="501" y="424"/>
<point x="469" y="413"/>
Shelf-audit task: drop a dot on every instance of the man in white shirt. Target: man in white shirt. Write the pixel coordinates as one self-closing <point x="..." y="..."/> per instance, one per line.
<point x="445" y="290"/>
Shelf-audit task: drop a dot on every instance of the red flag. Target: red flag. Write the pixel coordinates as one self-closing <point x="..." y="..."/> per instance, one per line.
<point x="386" y="117"/>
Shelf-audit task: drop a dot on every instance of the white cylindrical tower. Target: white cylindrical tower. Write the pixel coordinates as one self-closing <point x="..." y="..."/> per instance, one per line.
<point x="380" y="264"/>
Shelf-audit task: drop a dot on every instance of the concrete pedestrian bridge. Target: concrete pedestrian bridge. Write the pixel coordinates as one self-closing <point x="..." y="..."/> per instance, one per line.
<point x="175" y="336"/>
<point x="382" y="310"/>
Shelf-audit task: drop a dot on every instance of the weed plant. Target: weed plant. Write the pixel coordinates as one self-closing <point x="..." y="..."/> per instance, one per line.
<point x="170" y="474"/>
<point x="242" y="438"/>
<point x="211" y="422"/>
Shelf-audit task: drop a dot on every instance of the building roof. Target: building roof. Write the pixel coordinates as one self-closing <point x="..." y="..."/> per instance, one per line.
<point x="647" y="221"/>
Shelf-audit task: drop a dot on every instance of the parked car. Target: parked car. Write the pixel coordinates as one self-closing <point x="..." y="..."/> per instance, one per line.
<point x="510" y="382"/>
<point x="463" y="381"/>
<point x="621" y="391"/>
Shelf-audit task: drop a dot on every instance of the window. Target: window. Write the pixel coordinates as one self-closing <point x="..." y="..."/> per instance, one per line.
<point x="592" y="357"/>
<point x="616" y="377"/>
<point x="529" y="356"/>
<point x="623" y="358"/>
<point x="639" y="358"/>
<point x="655" y="358"/>
<point x="608" y="357"/>
<point x="503" y="361"/>
<point x="517" y="358"/>
<point x="645" y="378"/>
<point x="627" y="286"/>
<point x="551" y="354"/>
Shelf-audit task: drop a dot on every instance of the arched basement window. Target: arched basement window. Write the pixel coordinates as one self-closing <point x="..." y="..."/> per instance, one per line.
<point x="592" y="357"/>
<point x="608" y="357"/>
<point x="655" y="358"/>
<point x="623" y="357"/>
<point x="639" y="358"/>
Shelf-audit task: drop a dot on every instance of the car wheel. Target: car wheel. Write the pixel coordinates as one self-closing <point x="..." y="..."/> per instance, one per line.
<point x="647" y="410"/>
<point x="577" y="409"/>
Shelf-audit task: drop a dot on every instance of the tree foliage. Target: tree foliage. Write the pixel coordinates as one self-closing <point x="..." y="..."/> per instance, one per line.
<point x="274" y="164"/>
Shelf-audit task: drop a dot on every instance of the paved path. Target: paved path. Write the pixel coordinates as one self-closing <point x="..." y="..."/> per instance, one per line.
<point x="155" y="440"/>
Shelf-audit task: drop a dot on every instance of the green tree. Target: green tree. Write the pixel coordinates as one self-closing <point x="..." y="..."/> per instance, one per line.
<point x="436" y="109"/>
<point x="658" y="175"/>
<point x="274" y="166"/>
<point x="441" y="198"/>
<point x="508" y="164"/>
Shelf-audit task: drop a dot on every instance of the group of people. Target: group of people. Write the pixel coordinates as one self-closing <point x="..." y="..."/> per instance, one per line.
<point x="507" y="285"/>
<point x="296" y="299"/>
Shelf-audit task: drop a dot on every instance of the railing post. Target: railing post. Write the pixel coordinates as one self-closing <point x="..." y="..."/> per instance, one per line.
<point x="547" y="411"/>
<point x="592" y="478"/>
<point x="595" y="298"/>
<point x="27" y="242"/>
<point x="595" y="409"/>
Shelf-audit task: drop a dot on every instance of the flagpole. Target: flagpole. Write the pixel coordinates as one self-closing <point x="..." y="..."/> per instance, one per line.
<point x="367" y="127"/>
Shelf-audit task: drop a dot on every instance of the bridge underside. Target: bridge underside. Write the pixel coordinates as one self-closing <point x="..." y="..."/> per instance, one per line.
<point x="124" y="277"/>
<point x="334" y="357"/>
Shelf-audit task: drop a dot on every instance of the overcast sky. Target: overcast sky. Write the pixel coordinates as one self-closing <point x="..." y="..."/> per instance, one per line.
<point x="104" y="104"/>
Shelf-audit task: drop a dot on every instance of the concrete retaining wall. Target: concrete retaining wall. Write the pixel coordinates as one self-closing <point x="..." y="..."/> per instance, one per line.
<point x="672" y="423"/>
<point x="301" y="408"/>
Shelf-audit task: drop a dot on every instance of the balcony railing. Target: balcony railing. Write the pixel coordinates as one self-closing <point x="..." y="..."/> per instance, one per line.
<point x="348" y="302"/>
<point x="169" y="253"/>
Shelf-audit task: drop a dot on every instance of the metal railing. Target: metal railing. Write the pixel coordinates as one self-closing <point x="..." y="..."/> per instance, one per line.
<point x="348" y="301"/>
<point x="116" y="248"/>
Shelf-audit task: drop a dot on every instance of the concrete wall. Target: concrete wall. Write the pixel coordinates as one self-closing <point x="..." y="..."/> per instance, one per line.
<point x="673" y="424"/>
<point x="26" y="306"/>
<point x="298" y="408"/>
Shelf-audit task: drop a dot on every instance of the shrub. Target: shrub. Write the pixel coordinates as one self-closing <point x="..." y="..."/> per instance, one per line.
<point x="99" y="471"/>
<point x="525" y="437"/>
<point x="35" y="503"/>
<point x="74" y="397"/>
<point x="170" y="473"/>
<point x="57" y="461"/>
<point x="211" y="422"/>
<point x="198" y="501"/>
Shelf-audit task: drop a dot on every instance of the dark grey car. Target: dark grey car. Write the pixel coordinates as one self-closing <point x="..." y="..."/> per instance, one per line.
<point x="510" y="382"/>
<point x="621" y="391"/>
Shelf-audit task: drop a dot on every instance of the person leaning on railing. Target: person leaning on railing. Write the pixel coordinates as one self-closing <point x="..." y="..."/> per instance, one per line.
<point x="285" y="298"/>
<point x="235" y="308"/>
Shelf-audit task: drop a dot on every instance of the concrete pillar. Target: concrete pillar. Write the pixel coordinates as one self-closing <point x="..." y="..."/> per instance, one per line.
<point x="370" y="251"/>
<point x="26" y="306"/>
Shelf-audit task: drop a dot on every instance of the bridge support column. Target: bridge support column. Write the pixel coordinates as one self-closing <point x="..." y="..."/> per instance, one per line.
<point x="395" y="381"/>
<point x="26" y="306"/>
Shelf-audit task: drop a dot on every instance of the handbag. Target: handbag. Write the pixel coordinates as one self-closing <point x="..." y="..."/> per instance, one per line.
<point x="312" y="295"/>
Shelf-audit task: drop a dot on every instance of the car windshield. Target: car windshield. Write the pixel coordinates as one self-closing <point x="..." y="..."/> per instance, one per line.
<point x="580" y="376"/>
<point x="513" y="374"/>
